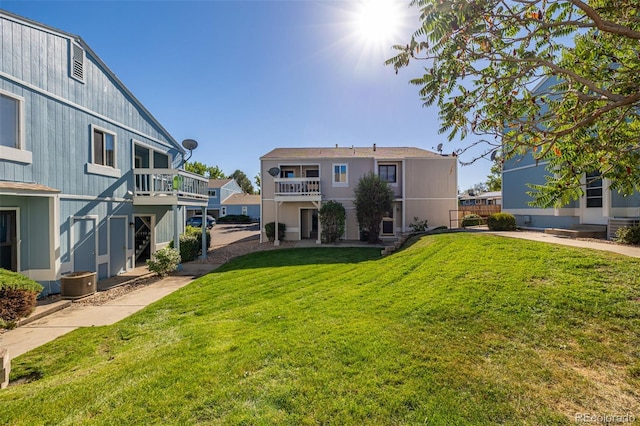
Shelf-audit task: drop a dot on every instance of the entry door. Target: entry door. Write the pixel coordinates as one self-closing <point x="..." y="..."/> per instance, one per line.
<point x="8" y="240"/>
<point x="117" y="245"/>
<point x="592" y="201"/>
<point x="84" y="245"/>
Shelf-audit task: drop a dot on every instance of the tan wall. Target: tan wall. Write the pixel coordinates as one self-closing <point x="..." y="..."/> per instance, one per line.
<point x="431" y="191"/>
<point x="432" y="178"/>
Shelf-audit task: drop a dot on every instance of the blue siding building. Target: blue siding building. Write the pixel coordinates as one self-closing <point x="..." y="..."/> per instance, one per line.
<point x="599" y="205"/>
<point x="89" y="180"/>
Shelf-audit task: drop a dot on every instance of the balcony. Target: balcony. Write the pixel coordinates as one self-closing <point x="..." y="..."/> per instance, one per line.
<point x="298" y="189"/>
<point x="169" y="187"/>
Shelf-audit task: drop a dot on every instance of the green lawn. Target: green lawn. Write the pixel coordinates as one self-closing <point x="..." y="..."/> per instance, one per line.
<point x="454" y="329"/>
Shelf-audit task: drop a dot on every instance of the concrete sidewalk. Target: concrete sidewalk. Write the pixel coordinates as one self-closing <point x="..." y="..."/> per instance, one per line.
<point x="625" y="250"/>
<point x="54" y="325"/>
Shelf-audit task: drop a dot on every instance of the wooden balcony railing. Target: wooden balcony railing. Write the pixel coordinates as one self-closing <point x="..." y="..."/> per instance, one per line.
<point x="298" y="186"/>
<point x="170" y="182"/>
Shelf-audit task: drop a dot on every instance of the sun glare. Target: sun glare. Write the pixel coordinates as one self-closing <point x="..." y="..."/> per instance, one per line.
<point x="377" y="23"/>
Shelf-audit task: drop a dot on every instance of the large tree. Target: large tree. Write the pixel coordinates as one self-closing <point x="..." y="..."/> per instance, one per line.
<point x="243" y="181"/>
<point x="373" y="200"/>
<point x="483" y="58"/>
<point x="212" y="172"/>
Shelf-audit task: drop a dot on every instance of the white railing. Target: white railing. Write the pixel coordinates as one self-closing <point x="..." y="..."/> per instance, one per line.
<point x="174" y="182"/>
<point x="298" y="186"/>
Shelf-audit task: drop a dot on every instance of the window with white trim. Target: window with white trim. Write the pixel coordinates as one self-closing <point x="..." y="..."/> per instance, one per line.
<point x="104" y="147"/>
<point x="223" y="211"/>
<point x="12" y="129"/>
<point x="213" y="193"/>
<point x="387" y="173"/>
<point x="340" y="175"/>
<point x="244" y="210"/>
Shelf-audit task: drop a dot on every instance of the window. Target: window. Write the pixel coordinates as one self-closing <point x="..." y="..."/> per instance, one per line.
<point x="223" y="211"/>
<point x="104" y="148"/>
<point x="387" y="173"/>
<point x="594" y="190"/>
<point x="12" y="129"/>
<point x="213" y="193"/>
<point x="340" y="177"/>
<point x="244" y="210"/>
<point x="103" y="153"/>
<point x="9" y="122"/>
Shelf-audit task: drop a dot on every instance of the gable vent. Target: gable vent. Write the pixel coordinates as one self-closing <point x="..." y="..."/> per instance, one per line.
<point x="77" y="62"/>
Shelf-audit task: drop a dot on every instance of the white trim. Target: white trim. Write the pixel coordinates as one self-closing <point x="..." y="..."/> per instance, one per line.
<point x="515" y="169"/>
<point x="83" y="109"/>
<point x="96" y="219"/>
<point x="335" y="184"/>
<point x="54" y="223"/>
<point x="95" y="198"/>
<point x="152" y="238"/>
<point x="96" y="169"/>
<point x="18" y="153"/>
<point x="126" y="241"/>
<point x="142" y="144"/>
<point x="542" y="212"/>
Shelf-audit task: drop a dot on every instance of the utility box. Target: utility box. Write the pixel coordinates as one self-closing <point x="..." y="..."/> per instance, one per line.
<point x="78" y="284"/>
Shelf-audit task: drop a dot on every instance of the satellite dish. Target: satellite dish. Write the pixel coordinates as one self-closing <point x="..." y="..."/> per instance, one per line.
<point x="274" y="171"/>
<point x="439" y="147"/>
<point x="190" y="144"/>
<point x="493" y="155"/>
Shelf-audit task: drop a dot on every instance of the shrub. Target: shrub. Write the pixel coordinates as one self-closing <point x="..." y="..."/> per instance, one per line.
<point x="191" y="243"/>
<point x="628" y="235"/>
<point x="471" y="220"/>
<point x="234" y="218"/>
<point x="501" y="222"/>
<point x="17" y="296"/>
<point x="164" y="261"/>
<point x="418" y="225"/>
<point x="332" y="216"/>
<point x="270" y="230"/>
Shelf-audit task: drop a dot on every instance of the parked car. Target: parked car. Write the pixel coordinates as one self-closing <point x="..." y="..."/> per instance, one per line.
<point x="197" y="221"/>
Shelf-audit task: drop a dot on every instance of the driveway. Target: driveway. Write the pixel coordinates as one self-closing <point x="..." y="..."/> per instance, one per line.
<point x="224" y="235"/>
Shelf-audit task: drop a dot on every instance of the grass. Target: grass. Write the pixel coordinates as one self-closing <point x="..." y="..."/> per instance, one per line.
<point x="454" y="329"/>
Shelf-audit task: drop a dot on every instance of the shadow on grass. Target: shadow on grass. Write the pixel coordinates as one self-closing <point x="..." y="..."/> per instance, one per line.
<point x="301" y="257"/>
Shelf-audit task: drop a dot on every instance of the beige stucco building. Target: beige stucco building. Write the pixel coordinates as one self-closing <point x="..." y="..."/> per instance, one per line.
<point x="296" y="181"/>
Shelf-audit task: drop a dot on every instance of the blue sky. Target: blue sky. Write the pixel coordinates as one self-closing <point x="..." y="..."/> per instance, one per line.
<point x="244" y="77"/>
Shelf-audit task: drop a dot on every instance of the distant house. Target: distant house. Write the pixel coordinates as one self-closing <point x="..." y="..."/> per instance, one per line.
<point x="243" y="204"/>
<point x="598" y="206"/>
<point x="296" y="181"/>
<point x="218" y="190"/>
<point x="89" y="179"/>
<point x="483" y="199"/>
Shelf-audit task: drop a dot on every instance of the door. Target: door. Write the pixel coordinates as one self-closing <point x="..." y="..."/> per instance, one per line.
<point x="8" y="240"/>
<point x="592" y="201"/>
<point x="117" y="245"/>
<point x="84" y="244"/>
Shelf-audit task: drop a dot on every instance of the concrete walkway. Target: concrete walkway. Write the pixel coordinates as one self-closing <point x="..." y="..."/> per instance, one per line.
<point x="54" y="325"/>
<point x="625" y="250"/>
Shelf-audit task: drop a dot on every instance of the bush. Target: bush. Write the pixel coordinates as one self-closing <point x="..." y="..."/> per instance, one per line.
<point x="418" y="225"/>
<point x="17" y="296"/>
<point x="501" y="222"/>
<point x="332" y="217"/>
<point x="191" y="243"/>
<point x="628" y="235"/>
<point x="471" y="220"/>
<point x="270" y="230"/>
<point x="164" y="261"/>
<point x="234" y="218"/>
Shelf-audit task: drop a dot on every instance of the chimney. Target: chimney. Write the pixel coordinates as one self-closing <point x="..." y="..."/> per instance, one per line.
<point x="336" y="145"/>
<point x="374" y="147"/>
